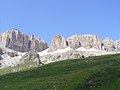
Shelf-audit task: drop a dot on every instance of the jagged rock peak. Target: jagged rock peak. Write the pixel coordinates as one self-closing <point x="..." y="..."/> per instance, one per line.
<point x="58" y="42"/>
<point x="18" y="41"/>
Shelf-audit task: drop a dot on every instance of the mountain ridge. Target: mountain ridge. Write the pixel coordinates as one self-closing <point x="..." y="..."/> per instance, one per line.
<point x="67" y="41"/>
<point x="16" y="48"/>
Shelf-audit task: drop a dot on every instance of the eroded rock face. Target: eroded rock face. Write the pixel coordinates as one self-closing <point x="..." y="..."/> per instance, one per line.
<point x="58" y="42"/>
<point x="18" y="41"/>
<point x="31" y="56"/>
<point x="87" y="41"/>
<point x="74" y="42"/>
<point x="117" y="44"/>
<point x="61" y="56"/>
<point x="109" y="45"/>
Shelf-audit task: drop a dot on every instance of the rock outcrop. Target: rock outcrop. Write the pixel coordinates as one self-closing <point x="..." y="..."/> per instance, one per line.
<point x="74" y="42"/>
<point x="58" y="42"/>
<point x="61" y="56"/>
<point x="87" y="41"/>
<point x="71" y="54"/>
<point x="109" y="45"/>
<point x="117" y="44"/>
<point x="18" y="41"/>
<point x="31" y="56"/>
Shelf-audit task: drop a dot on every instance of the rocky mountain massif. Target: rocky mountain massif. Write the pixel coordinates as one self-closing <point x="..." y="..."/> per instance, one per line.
<point x="17" y="47"/>
<point x="87" y="41"/>
<point x="18" y="41"/>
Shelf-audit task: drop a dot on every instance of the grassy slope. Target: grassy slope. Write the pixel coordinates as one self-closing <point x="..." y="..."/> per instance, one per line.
<point x="94" y="73"/>
<point x="20" y="67"/>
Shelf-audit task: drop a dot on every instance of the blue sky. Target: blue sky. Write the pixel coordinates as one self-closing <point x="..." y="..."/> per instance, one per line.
<point x="46" y="18"/>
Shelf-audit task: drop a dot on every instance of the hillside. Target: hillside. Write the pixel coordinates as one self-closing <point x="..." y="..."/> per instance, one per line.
<point x="93" y="73"/>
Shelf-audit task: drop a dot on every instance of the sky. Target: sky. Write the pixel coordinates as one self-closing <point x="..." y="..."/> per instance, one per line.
<point x="46" y="18"/>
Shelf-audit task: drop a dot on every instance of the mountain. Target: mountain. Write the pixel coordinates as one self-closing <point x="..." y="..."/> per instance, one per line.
<point x="16" y="40"/>
<point x="17" y="48"/>
<point x="78" y="46"/>
<point x="87" y="41"/>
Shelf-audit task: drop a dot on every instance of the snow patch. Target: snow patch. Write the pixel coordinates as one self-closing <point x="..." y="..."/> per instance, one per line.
<point x="81" y="49"/>
<point x="90" y="50"/>
<point x="63" y="50"/>
<point x="93" y="49"/>
<point x="45" y="52"/>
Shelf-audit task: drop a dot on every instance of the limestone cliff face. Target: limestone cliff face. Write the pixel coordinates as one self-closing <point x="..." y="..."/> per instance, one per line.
<point x="90" y="41"/>
<point x="74" y="42"/>
<point x="18" y="41"/>
<point x="117" y="44"/>
<point x="109" y="45"/>
<point x="58" y="42"/>
<point x="87" y="41"/>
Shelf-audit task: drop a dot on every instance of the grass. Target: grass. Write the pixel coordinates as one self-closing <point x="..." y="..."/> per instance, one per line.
<point x="93" y="73"/>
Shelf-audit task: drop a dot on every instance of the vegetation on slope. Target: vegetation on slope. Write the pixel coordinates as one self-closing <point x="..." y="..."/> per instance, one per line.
<point x="93" y="73"/>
